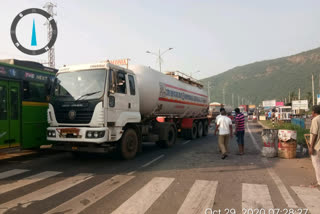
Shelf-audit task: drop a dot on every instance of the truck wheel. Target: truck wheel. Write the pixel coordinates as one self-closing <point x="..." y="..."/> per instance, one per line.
<point x="129" y="144"/>
<point x="205" y="128"/>
<point x="191" y="134"/>
<point x="200" y="129"/>
<point x="194" y="131"/>
<point x="172" y="137"/>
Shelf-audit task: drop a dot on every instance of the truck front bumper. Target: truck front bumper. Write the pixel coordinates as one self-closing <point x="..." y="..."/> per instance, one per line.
<point x="98" y="135"/>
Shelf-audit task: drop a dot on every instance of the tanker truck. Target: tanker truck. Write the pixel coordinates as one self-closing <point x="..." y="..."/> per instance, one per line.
<point x="103" y="108"/>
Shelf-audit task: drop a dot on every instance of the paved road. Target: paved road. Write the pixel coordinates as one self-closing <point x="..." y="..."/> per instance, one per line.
<point x="188" y="178"/>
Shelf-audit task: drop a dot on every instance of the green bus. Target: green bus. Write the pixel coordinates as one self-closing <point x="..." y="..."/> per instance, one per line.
<point x="24" y="94"/>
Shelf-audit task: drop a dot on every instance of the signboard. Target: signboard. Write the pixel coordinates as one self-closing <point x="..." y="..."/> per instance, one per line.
<point x="20" y="74"/>
<point x="252" y="106"/>
<point x="119" y="62"/>
<point x="300" y="104"/>
<point x="318" y="99"/>
<point x="269" y="103"/>
<point x="279" y="103"/>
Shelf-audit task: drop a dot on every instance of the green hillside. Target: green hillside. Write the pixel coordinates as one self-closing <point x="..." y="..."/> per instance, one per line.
<point x="270" y="79"/>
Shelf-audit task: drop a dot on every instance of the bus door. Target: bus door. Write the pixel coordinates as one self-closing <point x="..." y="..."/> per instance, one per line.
<point x="10" y="112"/>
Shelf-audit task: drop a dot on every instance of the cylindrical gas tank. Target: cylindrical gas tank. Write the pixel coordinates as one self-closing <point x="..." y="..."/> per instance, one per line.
<point x="163" y="95"/>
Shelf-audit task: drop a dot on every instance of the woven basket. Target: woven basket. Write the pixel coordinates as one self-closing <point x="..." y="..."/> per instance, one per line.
<point x="287" y="149"/>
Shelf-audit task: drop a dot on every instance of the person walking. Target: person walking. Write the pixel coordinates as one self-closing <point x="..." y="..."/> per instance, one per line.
<point x="314" y="146"/>
<point x="240" y="130"/>
<point x="224" y="125"/>
<point x="269" y="115"/>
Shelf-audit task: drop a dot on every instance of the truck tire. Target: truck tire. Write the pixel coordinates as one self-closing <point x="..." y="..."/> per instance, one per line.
<point x="191" y="134"/>
<point x="205" y="128"/>
<point x="194" y="131"/>
<point x="200" y="129"/>
<point x="171" y="140"/>
<point x="129" y="144"/>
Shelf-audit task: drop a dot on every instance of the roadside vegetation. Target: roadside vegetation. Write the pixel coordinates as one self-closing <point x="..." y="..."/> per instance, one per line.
<point x="289" y="126"/>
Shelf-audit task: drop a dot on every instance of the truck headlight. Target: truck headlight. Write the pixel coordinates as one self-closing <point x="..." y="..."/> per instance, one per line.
<point x="89" y="134"/>
<point x="51" y="133"/>
<point x="95" y="134"/>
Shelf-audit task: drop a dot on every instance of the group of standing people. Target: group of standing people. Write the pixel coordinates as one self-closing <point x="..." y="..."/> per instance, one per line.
<point x="224" y="126"/>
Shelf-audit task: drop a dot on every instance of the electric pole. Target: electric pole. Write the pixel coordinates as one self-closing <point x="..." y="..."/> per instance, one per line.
<point x="312" y="90"/>
<point x="224" y="99"/>
<point x="209" y="87"/>
<point x="232" y="100"/>
<point x="299" y="94"/>
<point x="289" y="97"/>
<point x="51" y="53"/>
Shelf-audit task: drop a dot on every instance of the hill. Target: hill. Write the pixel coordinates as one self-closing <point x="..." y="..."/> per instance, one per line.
<point x="269" y="79"/>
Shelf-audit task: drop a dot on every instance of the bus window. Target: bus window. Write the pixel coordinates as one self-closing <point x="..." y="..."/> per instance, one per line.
<point x="3" y="102"/>
<point x="14" y="97"/>
<point x="33" y="91"/>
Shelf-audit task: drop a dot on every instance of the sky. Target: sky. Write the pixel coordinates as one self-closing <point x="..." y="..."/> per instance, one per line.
<point x="209" y="36"/>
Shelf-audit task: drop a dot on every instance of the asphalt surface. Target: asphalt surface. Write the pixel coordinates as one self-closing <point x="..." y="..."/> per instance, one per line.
<point x="188" y="178"/>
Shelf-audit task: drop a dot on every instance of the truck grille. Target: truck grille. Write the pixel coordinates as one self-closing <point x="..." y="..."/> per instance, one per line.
<point x="82" y="117"/>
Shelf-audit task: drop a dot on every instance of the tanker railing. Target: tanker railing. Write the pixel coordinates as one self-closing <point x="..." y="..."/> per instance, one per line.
<point x="184" y="78"/>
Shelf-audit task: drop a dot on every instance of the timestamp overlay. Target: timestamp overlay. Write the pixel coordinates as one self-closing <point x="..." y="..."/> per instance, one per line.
<point x="258" y="211"/>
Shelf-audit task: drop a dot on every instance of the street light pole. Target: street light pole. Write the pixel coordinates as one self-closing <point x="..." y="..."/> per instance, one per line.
<point x="159" y="60"/>
<point x="159" y="54"/>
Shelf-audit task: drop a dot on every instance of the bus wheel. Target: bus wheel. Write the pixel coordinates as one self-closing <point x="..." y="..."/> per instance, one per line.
<point x="205" y="128"/>
<point x="200" y="129"/>
<point x="129" y="144"/>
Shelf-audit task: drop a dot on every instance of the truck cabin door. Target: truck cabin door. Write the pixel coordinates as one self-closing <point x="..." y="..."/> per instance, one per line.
<point x="118" y="98"/>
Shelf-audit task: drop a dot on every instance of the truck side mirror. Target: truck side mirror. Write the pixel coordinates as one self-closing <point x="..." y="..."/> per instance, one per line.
<point x="111" y="81"/>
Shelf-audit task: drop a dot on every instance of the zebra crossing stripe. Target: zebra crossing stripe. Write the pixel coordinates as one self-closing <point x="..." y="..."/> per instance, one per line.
<point x="46" y="192"/>
<point x="200" y="197"/>
<point x="26" y="181"/>
<point x="86" y="199"/>
<point x="142" y="200"/>
<point x="256" y="196"/>
<point x="310" y="197"/>
<point x="12" y="172"/>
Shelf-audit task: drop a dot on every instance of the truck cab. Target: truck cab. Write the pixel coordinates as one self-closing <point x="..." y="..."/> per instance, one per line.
<point x="89" y="106"/>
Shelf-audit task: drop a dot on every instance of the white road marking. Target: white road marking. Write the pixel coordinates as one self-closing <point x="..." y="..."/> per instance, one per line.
<point x="200" y="197"/>
<point x="142" y="200"/>
<point x="282" y="188"/>
<point x="86" y="199"/>
<point x="131" y="173"/>
<point x="186" y="142"/>
<point x="145" y="165"/>
<point x="154" y="160"/>
<point x="310" y="197"/>
<point x="46" y="192"/>
<point x="26" y="181"/>
<point x="12" y="172"/>
<point x="256" y="196"/>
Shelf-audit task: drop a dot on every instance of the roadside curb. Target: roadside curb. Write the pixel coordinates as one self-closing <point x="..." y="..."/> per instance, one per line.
<point x="263" y="126"/>
<point x="4" y="155"/>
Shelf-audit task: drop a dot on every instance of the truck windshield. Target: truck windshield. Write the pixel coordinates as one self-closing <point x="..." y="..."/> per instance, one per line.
<point x="80" y="85"/>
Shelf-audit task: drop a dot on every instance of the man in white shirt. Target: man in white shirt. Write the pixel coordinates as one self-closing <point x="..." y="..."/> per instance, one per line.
<point x="314" y="146"/>
<point x="224" y="125"/>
